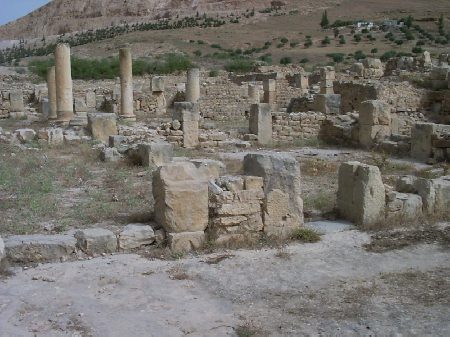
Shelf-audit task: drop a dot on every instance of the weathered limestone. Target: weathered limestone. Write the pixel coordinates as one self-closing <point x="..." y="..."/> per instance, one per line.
<point x="193" y="85"/>
<point x="126" y="85"/>
<point x="430" y="140"/>
<point x="357" y="69"/>
<point x="186" y="241"/>
<point x="260" y="122"/>
<point x="302" y="82"/>
<point x="110" y="154"/>
<point x="374" y="122"/>
<point x="135" y="236"/>
<point x="25" y="135"/>
<point x="280" y="172"/>
<point x="53" y="136"/>
<point x="16" y="101"/>
<point x="40" y="248"/>
<point x="187" y="113"/>
<point x="181" y="198"/>
<point x="51" y="87"/>
<point x="403" y="208"/>
<point x="157" y="87"/>
<point x="235" y="209"/>
<point x="96" y="241"/>
<point x="155" y="154"/>
<point x="2" y="253"/>
<point x="327" y="76"/>
<point x="102" y="125"/>
<point x="253" y="94"/>
<point x="361" y="194"/>
<point x="278" y="220"/>
<point x="63" y="76"/>
<point x="270" y="92"/>
<point x="329" y="104"/>
<point x="91" y="101"/>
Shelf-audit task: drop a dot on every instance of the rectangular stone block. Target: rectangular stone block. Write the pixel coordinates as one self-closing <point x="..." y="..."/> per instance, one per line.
<point x="102" y="125"/>
<point x="260" y="122"/>
<point x="155" y="154"/>
<point x="16" y="101"/>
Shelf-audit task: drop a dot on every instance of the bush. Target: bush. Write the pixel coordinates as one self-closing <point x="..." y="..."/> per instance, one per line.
<point x="294" y="44"/>
<point x="286" y="60"/>
<point x="89" y="69"/>
<point x="308" y="43"/>
<point x="305" y="235"/>
<point x="417" y="50"/>
<point x="284" y="40"/>
<point x="399" y="42"/>
<point x="388" y="55"/>
<point x="342" y="40"/>
<point x="337" y="57"/>
<point x="213" y="73"/>
<point x="326" y="41"/>
<point x="374" y="51"/>
<point x="239" y="66"/>
<point x="216" y="46"/>
<point x="359" y="55"/>
<point x="198" y="53"/>
<point x="304" y="60"/>
<point x="357" y="37"/>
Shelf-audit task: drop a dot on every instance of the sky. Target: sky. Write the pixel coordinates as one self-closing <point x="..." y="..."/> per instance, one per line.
<point x="14" y="9"/>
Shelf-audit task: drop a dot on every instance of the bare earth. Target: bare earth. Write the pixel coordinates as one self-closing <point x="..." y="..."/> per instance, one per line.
<point x="331" y="288"/>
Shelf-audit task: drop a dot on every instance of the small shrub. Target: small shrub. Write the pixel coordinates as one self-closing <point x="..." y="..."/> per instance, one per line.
<point x="286" y="60"/>
<point x="284" y="40"/>
<point x="326" y="41"/>
<point x="304" y="60"/>
<point x="305" y="235"/>
<point x="213" y="73"/>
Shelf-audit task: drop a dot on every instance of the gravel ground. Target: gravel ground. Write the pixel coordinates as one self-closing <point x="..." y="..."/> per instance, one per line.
<point x="334" y="287"/>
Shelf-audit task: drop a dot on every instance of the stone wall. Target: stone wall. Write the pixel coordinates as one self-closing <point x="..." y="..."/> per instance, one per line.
<point x="289" y="127"/>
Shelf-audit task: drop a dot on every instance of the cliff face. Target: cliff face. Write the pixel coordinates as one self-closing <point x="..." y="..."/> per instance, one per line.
<point x="62" y="16"/>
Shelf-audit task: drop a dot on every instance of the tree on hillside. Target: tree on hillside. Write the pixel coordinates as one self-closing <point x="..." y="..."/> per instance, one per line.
<point x="324" y="23"/>
<point x="409" y="21"/>
<point x="441" y="25"/>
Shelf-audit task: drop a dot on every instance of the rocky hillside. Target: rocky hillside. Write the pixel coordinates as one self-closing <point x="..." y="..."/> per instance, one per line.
<point x="62" y="16"/>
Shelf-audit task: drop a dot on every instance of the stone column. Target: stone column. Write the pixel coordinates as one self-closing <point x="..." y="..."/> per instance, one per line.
<point x="63" y="76"/>
<point x="327" y="75"/>
<point x="302" y="82"/>
<point x="193" y="85"/>
<point x="51" y="86"/>
<point x="374" y="122"/>
<point x="260" y="122"/>
<point x="187" y="113"/>
<point x="253" y="94"/>
<point x="126" y="84"/>
<point x="270" y="92"/>
<point x="158" y="86"/>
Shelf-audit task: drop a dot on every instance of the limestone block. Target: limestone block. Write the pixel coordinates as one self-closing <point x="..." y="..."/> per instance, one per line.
<point x="209" y="167"/>
<point x="96" y="241"/>
<point x="371" y="135"/>
<point x="16" y="101"/>
<point x="180" y="107"/>
<point x="403" y="207"/>
<point x="2" y="252"/>
<point x="44" y="108"/>
<point x="421" y="141"/>
<point x="281" y="172"/>
<point x="155" y="154"/>
<point x="361" y="193"/>
<point x="80" y="105"/>
<point x="270" y="85"/>
<point x="157" y="84"/>
<point x="260" y="122"/>
<point x="180" y="191"/>
<point x="372" y="63"/>
<point x="186" y="241"/>
<point x="253" y="183"/>
<point x="55" y="136"/>
<point x="358" y="69"/>
<point x="110" y="154"/>
<point x="25" y="135"/>
<point x="327" y="73"/>
<point x="374" y="112"/>
<point x="102" y="125"/>
<point x="117" y="140"/>
<point x="442" y="188"/>
<point x="40" y="248"/>
<point x="135" y="236"/>
<point x="91" y="100"/>
<point x="277" y="219"/>
<point x="329" y="104"/>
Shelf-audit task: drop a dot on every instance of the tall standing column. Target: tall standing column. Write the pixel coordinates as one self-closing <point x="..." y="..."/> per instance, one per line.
<point x="51" y="87"/>
<point x="193" y="85"/>
<point x="63" y="77"/>
<point x="126" y="84"/>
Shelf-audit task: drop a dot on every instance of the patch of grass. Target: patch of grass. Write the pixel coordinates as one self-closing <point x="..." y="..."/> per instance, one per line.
<point x="323" y="200"/>
<point x="305" y="235"/>
<point x="245" y="331"/>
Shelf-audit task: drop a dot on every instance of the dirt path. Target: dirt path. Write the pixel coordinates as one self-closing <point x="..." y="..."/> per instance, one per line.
<point x="330" y="288"/>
